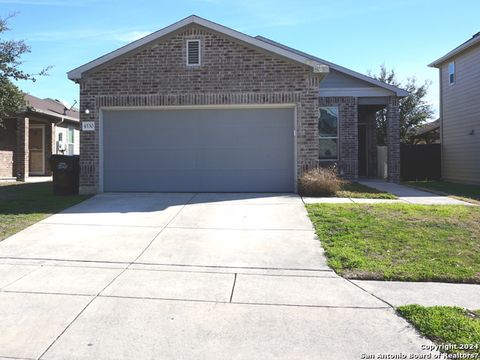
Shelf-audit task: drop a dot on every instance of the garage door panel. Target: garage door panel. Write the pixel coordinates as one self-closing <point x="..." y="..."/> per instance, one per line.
<point x="240" y="158"/>
<point x="234" y="137"/>
<point x="155" y="137"/>
<point x="143" y="158"/>
<point x="240" y="181"/>
<point x="151" y="180"/>
<point x="199" y="150"/>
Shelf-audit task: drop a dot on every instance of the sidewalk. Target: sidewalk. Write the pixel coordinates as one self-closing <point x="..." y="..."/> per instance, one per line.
<point x="411" y="195"/>
<point x="406" y="195"/>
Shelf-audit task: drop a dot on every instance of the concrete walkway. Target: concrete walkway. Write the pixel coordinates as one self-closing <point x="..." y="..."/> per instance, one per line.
<point x="411" y="195"/>
<point x="186" y="276"/>
<point x="405" y="194"/>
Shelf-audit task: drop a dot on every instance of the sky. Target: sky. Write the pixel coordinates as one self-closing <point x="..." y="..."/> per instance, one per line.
<point x="405" y="35"/>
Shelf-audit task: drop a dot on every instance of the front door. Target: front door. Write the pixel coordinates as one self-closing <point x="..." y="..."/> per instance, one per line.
<point x="36" y="147"/>
<point x="362" y="150"/>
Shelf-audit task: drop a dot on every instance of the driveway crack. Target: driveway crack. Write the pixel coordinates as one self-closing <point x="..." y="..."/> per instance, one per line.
<point x="233" y="286"/>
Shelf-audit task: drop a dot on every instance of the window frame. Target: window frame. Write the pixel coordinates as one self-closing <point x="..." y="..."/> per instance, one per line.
<point x="70" y="145"/>
<point x="337" y="137"/>
<point x="451" y="66"/>
<point x="199" y="52"/>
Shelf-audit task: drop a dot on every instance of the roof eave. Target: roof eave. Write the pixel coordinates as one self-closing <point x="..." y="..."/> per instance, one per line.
<point x="457" y="50"/>
<point x="52" y="114"/>
<point x="396" y="90"/>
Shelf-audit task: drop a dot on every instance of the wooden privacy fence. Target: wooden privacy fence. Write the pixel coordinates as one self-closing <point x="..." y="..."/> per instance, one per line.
<point x="420" y="162"/>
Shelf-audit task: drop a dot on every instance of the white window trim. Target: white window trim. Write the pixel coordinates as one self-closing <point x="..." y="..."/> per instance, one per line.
<point x="330" y="137"/>
<point x="199" y="52"/>
<point x="72" y="144"/>
<point x="454" y="73"/>
<point x="42" y="127"/>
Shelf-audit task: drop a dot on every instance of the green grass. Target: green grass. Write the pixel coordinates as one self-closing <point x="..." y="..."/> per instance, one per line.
<point x="400" y="241"/>
<point x="464" y="191"/>
<point x="22" y="204"/>
<point x="446" y="325"/>
<point x="356" y="190"/>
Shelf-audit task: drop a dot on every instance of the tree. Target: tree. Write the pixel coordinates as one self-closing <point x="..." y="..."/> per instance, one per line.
<point x="414" y="109"/>
<point x="11" y="51"/>
<point x="11" y="99"/>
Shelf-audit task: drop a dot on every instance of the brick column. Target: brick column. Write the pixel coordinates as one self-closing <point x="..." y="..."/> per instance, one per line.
<point x="49" y="146"/>
<point x="21" y="155"/>
<point x="393" y="140"/>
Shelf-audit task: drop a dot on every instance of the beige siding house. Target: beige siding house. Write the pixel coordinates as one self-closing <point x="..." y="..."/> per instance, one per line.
<point x="460" y="112"/>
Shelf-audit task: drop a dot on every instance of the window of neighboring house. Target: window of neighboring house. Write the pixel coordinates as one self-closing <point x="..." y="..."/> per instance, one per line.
<point x="70" y="140"/>
<point x="451" y="73"/>
<point x="60" y="148"/>
<point x="193" y="52"/>
<point x="328" y="133"/>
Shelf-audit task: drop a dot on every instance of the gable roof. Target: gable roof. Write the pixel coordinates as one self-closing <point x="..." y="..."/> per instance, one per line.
<point x="475" y="39"/>
<point x="51" y="107"/>
<point x="396" y="90"/>
<point x="317" y="66"/>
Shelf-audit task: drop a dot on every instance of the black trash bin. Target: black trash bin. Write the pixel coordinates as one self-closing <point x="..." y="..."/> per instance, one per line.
<point x="66" y="173"/>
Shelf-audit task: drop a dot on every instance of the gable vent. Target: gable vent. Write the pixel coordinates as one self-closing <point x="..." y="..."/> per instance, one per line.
<point x="193" y="52"/>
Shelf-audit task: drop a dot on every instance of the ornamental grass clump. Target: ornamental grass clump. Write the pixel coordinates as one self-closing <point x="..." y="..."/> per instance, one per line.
<point x="320" y="182"/>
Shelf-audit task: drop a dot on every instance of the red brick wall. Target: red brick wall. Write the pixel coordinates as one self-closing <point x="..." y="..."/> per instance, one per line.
<point x="21" y="153"/>
<point x="7" y="148"/>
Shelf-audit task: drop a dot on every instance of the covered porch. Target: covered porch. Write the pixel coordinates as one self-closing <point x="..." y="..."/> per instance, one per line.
<point x="348" y="135"/>
<point x="378" y="154"/>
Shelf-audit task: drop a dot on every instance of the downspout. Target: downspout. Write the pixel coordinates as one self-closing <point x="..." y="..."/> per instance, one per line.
<point x="442" y="163"/>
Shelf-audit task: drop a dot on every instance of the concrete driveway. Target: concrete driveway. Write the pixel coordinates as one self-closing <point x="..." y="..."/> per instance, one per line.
<point x="185" y="276"/>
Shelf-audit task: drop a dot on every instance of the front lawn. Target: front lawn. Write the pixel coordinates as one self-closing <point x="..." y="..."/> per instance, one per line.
<point x="22" y="204"/>
<point x="464" y="191"/>
<point x="356" y="190"/>
<point x="444" y="325"/>
<point x="400" y="241"/>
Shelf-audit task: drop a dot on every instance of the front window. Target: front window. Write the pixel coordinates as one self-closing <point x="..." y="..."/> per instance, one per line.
<point x="451" y="73"/>
<point x="71" y="140"/>
<point x="328" y="133"/>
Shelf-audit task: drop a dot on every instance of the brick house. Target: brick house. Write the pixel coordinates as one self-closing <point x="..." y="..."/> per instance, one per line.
<point x="197" y="106"/>
<point x="28" y="139"/>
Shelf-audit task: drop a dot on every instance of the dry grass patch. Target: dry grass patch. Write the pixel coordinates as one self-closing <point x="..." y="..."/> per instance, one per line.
<point x="320" y="182"/>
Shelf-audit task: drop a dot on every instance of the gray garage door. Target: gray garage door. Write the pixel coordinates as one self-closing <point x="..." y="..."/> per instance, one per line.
<point x="192" y="150"/>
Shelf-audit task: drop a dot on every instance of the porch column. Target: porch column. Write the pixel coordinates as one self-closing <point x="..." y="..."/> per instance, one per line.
<point x="393" y="140"/>
<point x="372" y="145"/>
<point x="21" y="155"/>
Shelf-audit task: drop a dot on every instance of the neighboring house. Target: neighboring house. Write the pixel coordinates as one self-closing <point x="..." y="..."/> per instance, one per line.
<point x="460" y="112"/>
<point x="27" y="141"/>
<point x="197" y="106"/>
<point x="428" y="133"/>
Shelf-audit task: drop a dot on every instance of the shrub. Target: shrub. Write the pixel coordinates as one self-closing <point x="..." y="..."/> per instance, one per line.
<point x="319" y="182"/>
